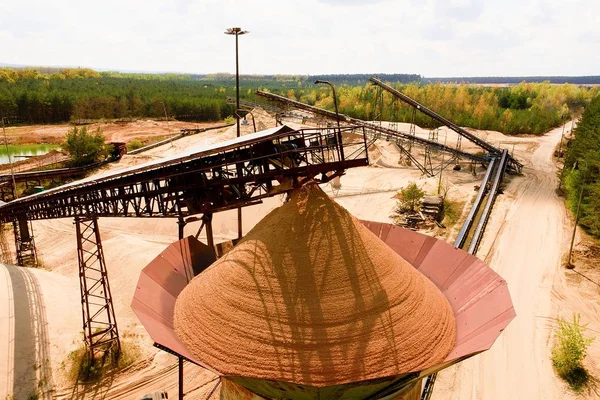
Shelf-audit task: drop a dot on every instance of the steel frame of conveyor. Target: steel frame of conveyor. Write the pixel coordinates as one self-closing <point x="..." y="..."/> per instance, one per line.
<point x="517" y="166"/>
<point x="403" y="139"/>
<point x="222" y="180"/>
<point x="100" y="331"/>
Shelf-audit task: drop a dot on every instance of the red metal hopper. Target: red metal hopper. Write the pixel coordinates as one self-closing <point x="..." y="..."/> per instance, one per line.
<point x="478" y="296"/>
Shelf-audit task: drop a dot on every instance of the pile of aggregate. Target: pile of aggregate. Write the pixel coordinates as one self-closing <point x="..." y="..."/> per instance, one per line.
<point x="311" y="296"/>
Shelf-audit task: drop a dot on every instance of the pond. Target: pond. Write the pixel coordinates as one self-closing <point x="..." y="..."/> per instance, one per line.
<point x="23" y="151"/>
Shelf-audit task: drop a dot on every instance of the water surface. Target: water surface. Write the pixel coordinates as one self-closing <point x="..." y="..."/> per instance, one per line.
<point x="23" y="151"/>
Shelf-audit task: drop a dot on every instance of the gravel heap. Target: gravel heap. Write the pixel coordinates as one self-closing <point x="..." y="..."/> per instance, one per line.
<point x="310" y="296"/>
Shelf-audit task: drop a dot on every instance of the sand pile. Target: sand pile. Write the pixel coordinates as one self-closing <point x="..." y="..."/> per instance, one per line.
<point x="311" y="296"/>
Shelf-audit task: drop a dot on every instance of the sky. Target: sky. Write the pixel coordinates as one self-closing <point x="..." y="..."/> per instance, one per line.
<point x="433" y="38"/>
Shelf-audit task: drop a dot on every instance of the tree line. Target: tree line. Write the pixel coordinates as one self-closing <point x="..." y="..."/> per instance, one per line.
<point x="49" y="95"/>
<point x="581" y="171"/>
<point x="531" y="108"/>
<point x="28" y="96"/>
<point x="512" y="80"/>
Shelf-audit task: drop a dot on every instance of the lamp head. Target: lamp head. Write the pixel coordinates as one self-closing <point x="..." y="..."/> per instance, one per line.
<point x="235" y="31"/>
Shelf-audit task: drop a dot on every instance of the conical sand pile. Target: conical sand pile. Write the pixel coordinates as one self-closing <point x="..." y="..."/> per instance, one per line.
<point x="311" y="296"/>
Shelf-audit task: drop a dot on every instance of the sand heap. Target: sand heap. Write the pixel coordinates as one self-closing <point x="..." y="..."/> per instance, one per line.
<point x="310" y="296"/>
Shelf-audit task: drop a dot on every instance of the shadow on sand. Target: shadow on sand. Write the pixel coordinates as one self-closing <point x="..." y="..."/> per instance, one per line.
<point x="32" y="371"/>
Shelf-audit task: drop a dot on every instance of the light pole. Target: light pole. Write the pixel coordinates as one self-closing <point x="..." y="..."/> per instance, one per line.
<point x="12" y="172"/>
<point x="337" y="117"/>
<point x="237" y="32"/>
<point x="569" y="265"/>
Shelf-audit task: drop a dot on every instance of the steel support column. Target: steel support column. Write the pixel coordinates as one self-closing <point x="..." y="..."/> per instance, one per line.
<point x="100" y="332"/>
<point x="24" y="242"/>
<point x="207" y="219"/>
<point x="181" y="226"/>
<point x="180" y="375"/>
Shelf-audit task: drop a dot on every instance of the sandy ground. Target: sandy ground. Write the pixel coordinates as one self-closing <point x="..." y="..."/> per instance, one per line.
<point x="113" y="131"/>
<point x="518" y="365"/>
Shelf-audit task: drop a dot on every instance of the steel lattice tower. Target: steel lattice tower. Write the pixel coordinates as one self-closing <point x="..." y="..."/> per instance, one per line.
<point x="100" y="332"/>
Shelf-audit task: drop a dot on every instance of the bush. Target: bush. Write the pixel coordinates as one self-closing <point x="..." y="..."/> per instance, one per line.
<point x="134" y="145"/>
<point x="569" y="351"/>
<point x="85" y="148"/>
<point x="410" y="197"/>
<point x="229" y="119"/>
<point x="452" y="212"/>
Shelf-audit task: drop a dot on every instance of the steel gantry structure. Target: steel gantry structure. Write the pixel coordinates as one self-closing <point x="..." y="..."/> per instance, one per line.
<point x="497" y="152"/>
<point x="405" y="140"/>
<point x="227" y="175"/>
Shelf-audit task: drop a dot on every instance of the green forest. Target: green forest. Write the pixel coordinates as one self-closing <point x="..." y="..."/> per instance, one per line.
<point x="582" y="169"/>
<point x="47" y="95"/>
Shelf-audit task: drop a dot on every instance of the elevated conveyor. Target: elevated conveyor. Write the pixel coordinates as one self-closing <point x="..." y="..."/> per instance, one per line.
<point x="209" y="179"/>
<point x="513" y="164"/>
<point x="377" y="131"/>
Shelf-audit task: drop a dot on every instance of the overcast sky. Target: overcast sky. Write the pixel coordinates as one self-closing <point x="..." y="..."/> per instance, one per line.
<point x="434" y="38"/>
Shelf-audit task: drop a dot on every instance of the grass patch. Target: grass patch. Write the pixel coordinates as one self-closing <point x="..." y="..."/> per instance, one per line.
<point x="134" y="145"/>
<point x="80" y="369"/>
<point x="452" y="212"/>
<point x="570" y="348"/>
<point x="138" y="143"/>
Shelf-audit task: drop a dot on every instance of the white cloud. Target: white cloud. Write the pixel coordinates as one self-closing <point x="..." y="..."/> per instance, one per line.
<point x="431" y="37"/>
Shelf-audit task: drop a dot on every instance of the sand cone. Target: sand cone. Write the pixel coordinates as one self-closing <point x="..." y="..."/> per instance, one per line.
<point x="312" y="297"/>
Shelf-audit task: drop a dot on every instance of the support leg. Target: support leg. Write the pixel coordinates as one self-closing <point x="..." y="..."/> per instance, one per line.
<point x="181" y="225"/>
<point x="207" y="219"/>
<point x="239" y="223"/>
<point x="24" y="242"/>
<point x="180" y="378"/>
<point x="100" y="332"/>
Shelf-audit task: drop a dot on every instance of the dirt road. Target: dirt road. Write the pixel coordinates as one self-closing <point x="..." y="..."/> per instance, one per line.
<point x="526" y="252"/>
